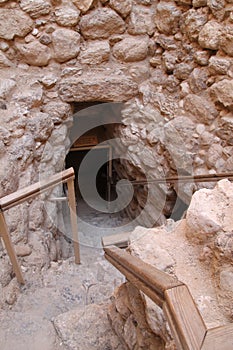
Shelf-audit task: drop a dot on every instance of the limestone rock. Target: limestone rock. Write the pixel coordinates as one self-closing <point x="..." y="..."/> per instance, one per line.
<point x="131" y="49"/>
<point x="14" y="23"/>
<point x="87" y="328"/>
<point x="4" y="61"/>
<point x="22" y="250"/>
<point x="66" y="44"/>
<point x="177" y="134"/>
<point x="203" y="110"/>
<point x="6" y="85"/>
<point x="210" y="35"/>
<point x="97" y="86"/>
<point x="193" y="22"/>
<point x="49" y="80"/>
<point x="95" y="52"/>
<point x="225" y="132"/>
<point x="8" y="175"/>
<point x="40" y="126"/>
<point x="66" y="16"/>
<point x="202" y="57"/>
<point x="167" y="17"/>
<point x="57" y="111"/>
<point x="30" y="96"/>
<point x="213" y="155"/>
<point x="83" y="5"/>
<point x="123" y="7"/>
<point x="227" y="40"/>
<point x="217" y="8"/>
<point x="101" y="23"/>
<point x="141" y="21"/>
<point x="45" y="39"/>
<point x="198" y="80"/>
<point x="183" y="70"/>
<point x="34" y="53"/>
<point x="199" y="3"/>
<point x="218" y="65"/>
<point x="223" y="92"/>
<point x="35" y="8"/>
<point x="156" y="256"/>
<point x="203" y="221"/>
<point x="11" y="292"/>
<point x="5" y="272"/>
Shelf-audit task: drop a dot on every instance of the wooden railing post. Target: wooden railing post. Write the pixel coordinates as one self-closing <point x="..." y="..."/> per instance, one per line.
<point x="10" y="248"/>
<point x="73" y="219"/>
<point x="30" y="192"/>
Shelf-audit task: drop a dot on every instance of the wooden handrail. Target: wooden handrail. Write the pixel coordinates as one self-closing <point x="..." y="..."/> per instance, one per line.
<point x="183" y="178"/>
<point x="185" y="321"/>
<point x="30" y="192"/>
<point x="34" y="190"/>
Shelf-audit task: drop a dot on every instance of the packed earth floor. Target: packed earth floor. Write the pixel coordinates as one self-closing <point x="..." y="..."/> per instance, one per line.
<point x="65" y="306"/>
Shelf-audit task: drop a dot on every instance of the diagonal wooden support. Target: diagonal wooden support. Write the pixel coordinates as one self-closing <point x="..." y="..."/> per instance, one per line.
<point x="185" y="321"/>
<point x="10" y="248"/>
<point x="73" y="219"/>
<point x="219" y="338"/>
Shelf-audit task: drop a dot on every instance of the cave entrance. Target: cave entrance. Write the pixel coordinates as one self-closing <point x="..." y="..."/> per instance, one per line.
<point x="93" y="127"/>
<point x="94" y="140"/>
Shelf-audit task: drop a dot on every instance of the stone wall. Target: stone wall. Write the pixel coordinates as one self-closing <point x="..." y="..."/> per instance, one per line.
<point x="198" y="251"/>
<point x="170" y="62"/>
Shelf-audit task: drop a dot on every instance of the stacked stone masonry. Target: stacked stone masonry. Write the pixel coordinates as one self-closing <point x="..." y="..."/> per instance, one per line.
<point x="170" y="62"/>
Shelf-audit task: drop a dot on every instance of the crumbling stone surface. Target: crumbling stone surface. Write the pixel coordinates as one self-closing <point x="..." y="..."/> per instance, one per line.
<point x="72" y="329"/>
<point x="198" y="251"/>
<point x="171" y="64"/>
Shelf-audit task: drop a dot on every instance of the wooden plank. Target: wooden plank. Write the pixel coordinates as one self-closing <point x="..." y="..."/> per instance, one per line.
<point x="219" y="338"/>
<point x="137" y="283"/>
<point x="120" y="240"/>
<point x="156" y="280"/>
<point x="184" y="318"/>
<point x="73" y="219"/>
<point x="32" y="191"/>
<point x="10" y="249"/>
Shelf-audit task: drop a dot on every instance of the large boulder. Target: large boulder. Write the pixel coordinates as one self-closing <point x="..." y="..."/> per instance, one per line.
<point x="101" y="24"/>
<point x="97" y="86"/>
<point x="66" y="16"/>
<point x="35" y="8"/>
<point x="131" y="49"/>
<point x="141" y="21"/>
<point x="87" y="328"/>
<point x="123" y="7"/>
<point x="222" y="91"/>
<point x="83" y="5"/>
<point x="210" y="35"/>
<point x="34" y="53"/>
<point x="167" y="17"/>
<point x="14" y="23"/>
<point x="95" y="52"/>
<point x="203" y="110"/>
<point x="66" y="44"/>
<point x="227" y="40"/>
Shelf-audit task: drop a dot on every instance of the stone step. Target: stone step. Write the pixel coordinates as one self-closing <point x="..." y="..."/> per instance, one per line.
<point x="87" y="328"/>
